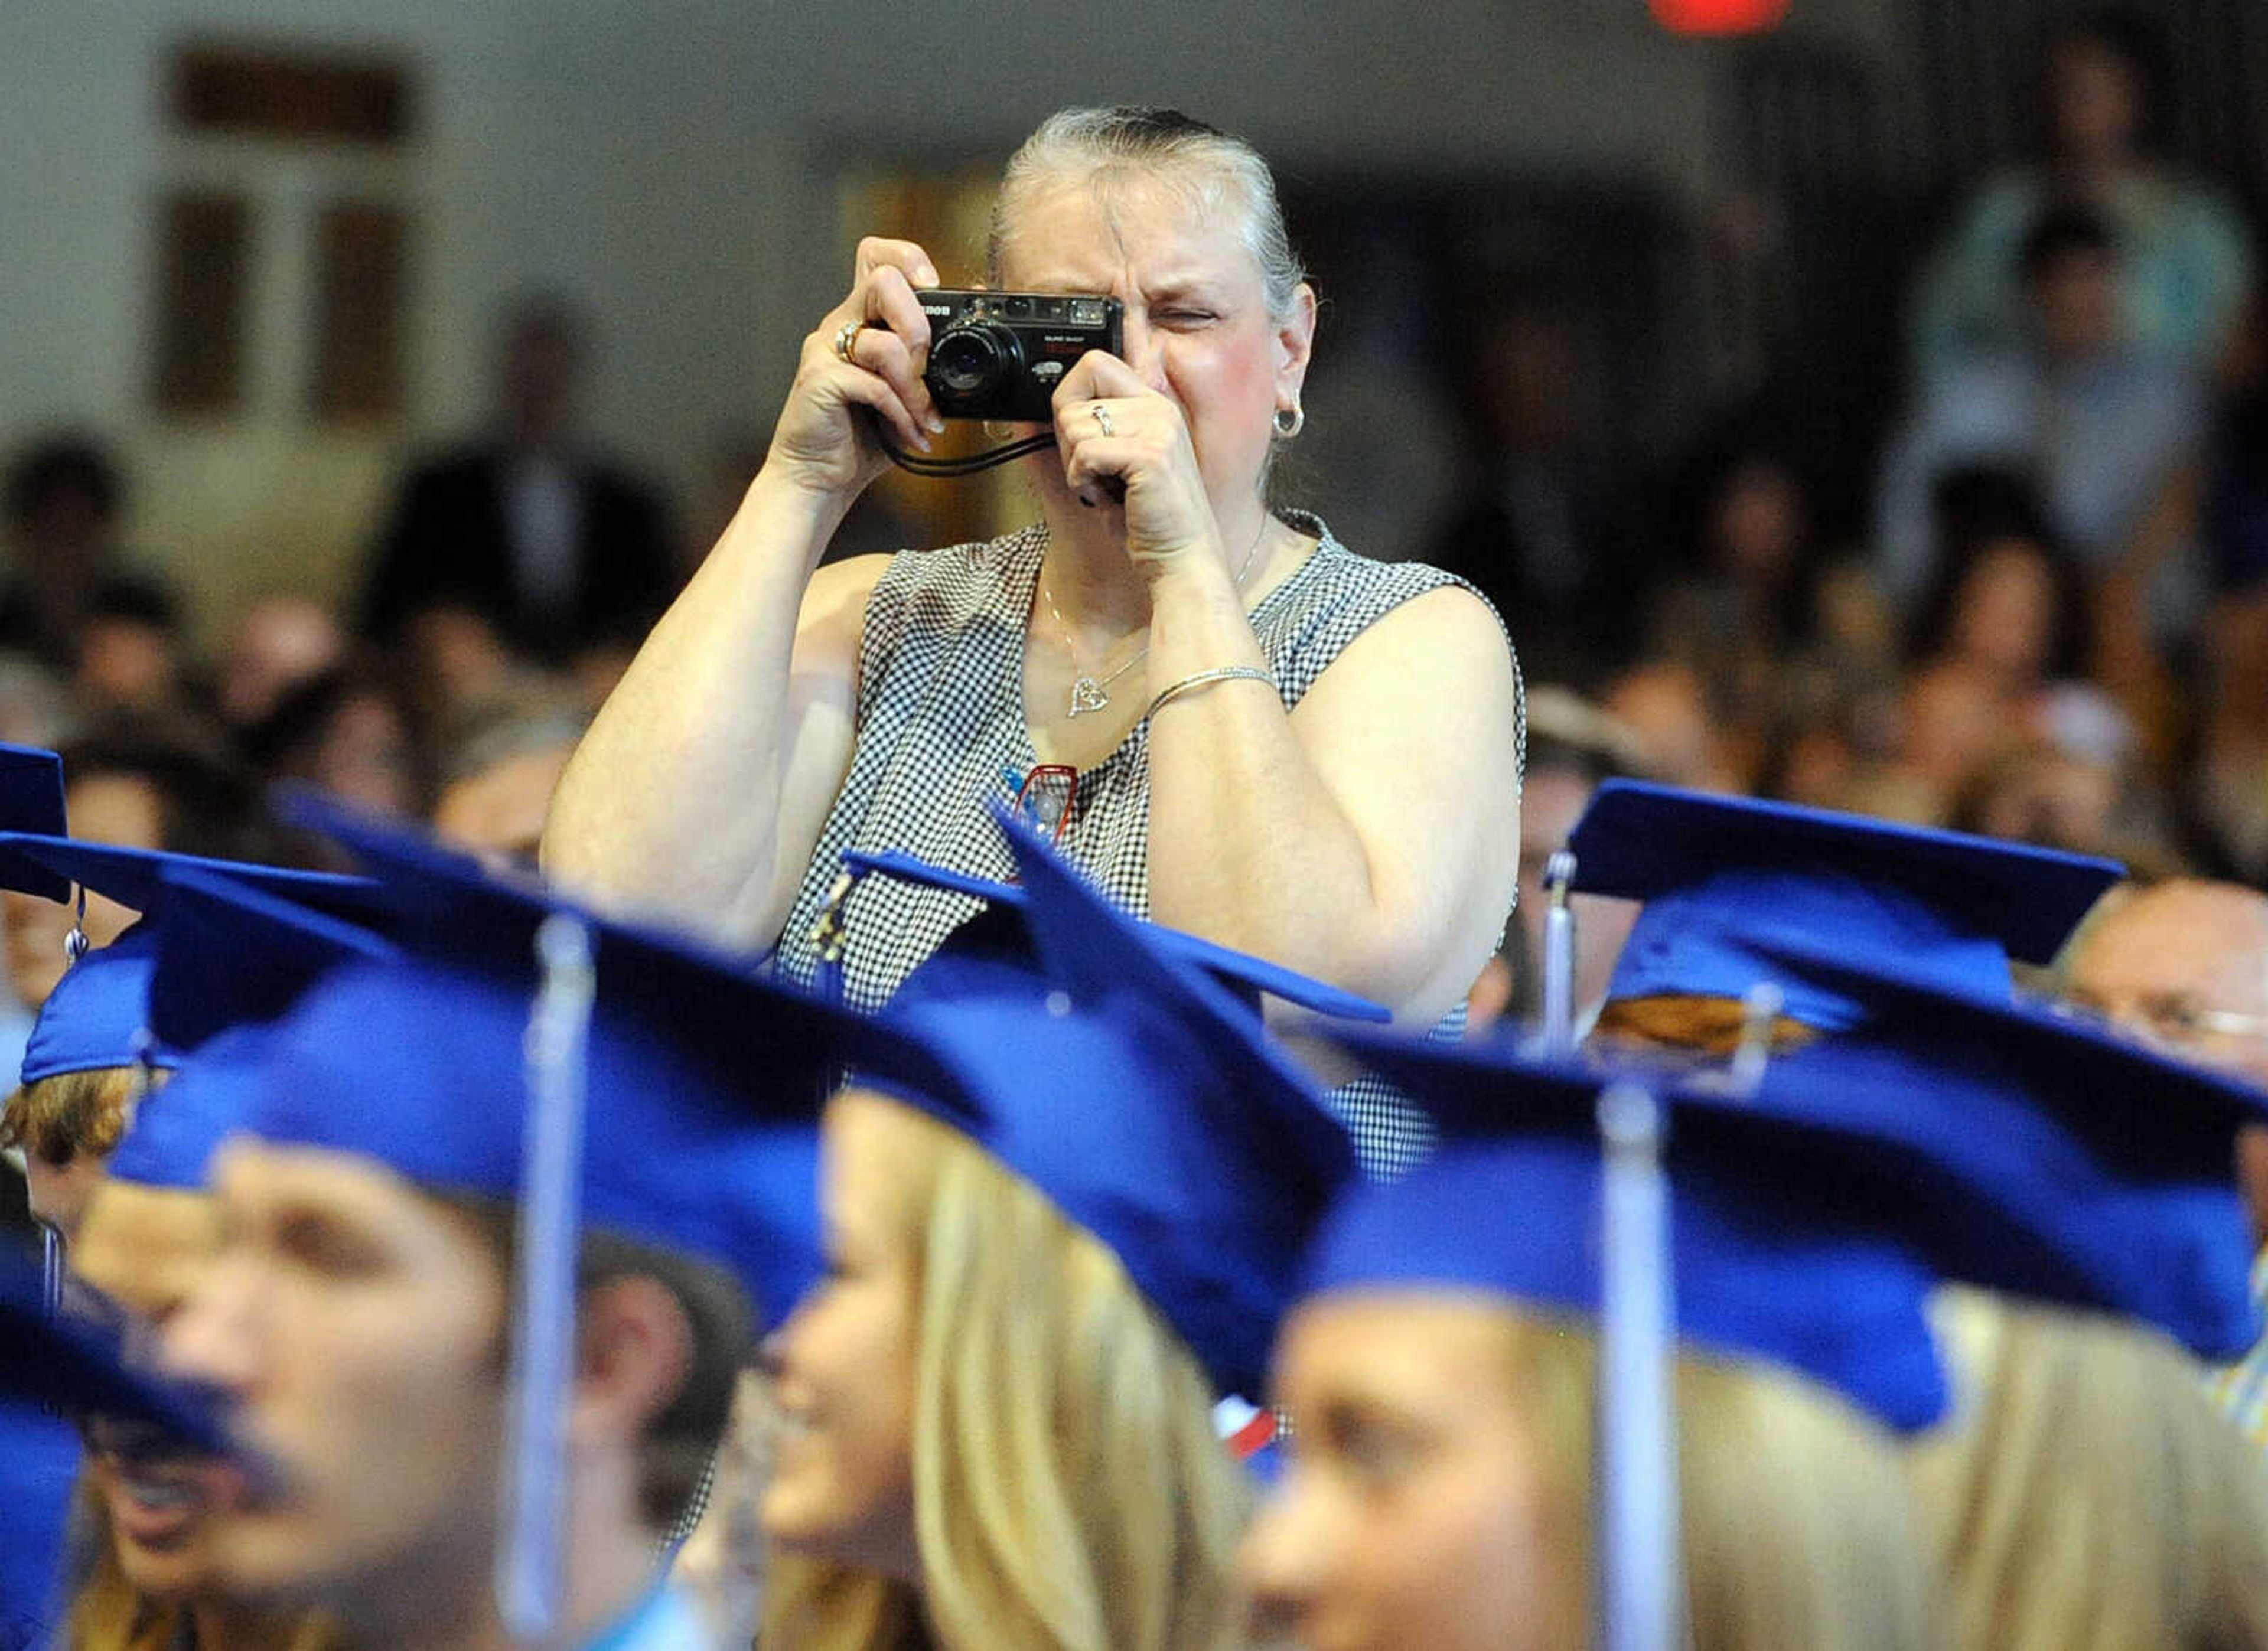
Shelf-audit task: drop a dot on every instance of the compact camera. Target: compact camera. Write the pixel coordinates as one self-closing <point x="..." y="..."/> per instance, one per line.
<point x="1001" y="355"/>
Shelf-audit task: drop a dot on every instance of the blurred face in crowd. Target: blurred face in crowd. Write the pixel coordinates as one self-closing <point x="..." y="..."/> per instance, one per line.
<point x="1552" y="799"/>
<point x="539" y="379"/>
<point x="280" y="642"/>
<point x="2096" y="99"/>
<point x="2003" y="618"/>
<point x="1952" y="723"/>
<point x="123" y="808"/>
<point x="842" y="1480"/>
<point x="497" y="812"/>
<point x="356" y="1323"/>
<point x="1197" y="325"/>
<point x="144" y="1248"/>
<point x="2075" y="303"/>
<point x="1759" y="521"/>
<point x="1416" y="1510"/>
<point x="366" y="757"/>
<point x="2186" y="967"/>
<point x="127" y="664"/>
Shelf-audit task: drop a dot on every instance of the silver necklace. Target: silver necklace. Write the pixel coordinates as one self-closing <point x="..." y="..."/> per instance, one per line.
<point x="1089" y="693"/>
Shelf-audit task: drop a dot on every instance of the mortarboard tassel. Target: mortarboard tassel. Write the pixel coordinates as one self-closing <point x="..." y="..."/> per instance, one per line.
<point x="529" y="1584"/>
<point x="51" y="1244"/>
<point x="1559" y="955"/>
<point x="1640" y="1589"/>
<point x="1760" y="1013"/>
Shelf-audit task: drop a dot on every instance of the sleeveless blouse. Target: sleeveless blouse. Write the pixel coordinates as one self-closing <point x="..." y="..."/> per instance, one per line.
<point x="940" y="733"/>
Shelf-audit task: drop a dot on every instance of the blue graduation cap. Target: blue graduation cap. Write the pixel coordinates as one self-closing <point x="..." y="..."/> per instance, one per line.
<point x="633" y="1082"/>
<point x="31" y="800"/>
<point x="230" y="958"/>
<point x="97" y="1017"/>
<point x="1143" y="1098"/>
<point x="135" y="878"/>
<point x="1717" y="873"/>
<point x="1778" y="1252"/>
<point x="1247" y="976"/>
<point x="2108" y="1169"/>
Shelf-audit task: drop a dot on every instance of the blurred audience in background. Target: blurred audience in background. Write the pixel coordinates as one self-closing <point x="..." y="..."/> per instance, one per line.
<point x="2046" y="618"/>
<point x="2184" y="247"/>
<point x="2102" y="425"/>
<point x="69" y="574"/>
<point x="1535" y="523"/>
<point x="550" y="549"/>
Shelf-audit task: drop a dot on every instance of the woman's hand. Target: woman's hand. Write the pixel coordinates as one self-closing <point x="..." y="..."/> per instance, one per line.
<point x="1126" y="448"/>
<point x="821" y="442"/>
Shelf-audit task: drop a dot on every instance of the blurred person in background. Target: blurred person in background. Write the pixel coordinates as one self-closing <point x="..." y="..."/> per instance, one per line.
<point x="496" y="780"/>
<point x="551" y="548"/>
<point x="1665" y="705"/>
<point x="143" y="783"/>
<point x="2230" y="785"/>
<point x="2183" y="966"/>
<point x="65" y="504"/>
<point x="1571" y="746"/>
<point x="2183" y="245"/>
<point x="2102" y="427"/>
<point x="131" y="650"/>
<point x="35" y="706"/>
<point x="279" y="641"/>
<point x="1741" y="602"/>
<point x="1534" y="526"/>
<point x="348" y="732"/>
<point x="2003" y="618"/>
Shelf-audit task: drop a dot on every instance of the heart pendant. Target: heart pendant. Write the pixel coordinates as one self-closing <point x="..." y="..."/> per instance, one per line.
<point x="1087" y="694"/>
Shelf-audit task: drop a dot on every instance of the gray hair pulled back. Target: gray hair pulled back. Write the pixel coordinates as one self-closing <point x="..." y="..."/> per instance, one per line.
<point x="1105" y="144"/>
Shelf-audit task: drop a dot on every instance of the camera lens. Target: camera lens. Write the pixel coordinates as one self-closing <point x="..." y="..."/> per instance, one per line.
<point x="971" y="358"/>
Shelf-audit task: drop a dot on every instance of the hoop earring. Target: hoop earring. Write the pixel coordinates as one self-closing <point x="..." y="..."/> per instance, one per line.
<point x="1289" y="421"/>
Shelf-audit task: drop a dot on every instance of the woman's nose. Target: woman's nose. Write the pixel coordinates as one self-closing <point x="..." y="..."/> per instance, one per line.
<point x="1143" y="352"/>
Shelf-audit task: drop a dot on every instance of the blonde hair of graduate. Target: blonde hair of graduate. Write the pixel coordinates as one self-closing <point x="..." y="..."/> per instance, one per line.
<point x="1069" y="1489"/>
<point x="2090" y="1494"/>
<point x="1795" y="1524"/>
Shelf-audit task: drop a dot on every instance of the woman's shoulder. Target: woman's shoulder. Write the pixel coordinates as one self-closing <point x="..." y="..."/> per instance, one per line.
<point x="1339" y="594"/>
<point x="955" y="584"/>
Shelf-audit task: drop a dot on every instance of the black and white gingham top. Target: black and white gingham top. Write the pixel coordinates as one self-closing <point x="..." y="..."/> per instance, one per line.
<point x="941" y="729"/>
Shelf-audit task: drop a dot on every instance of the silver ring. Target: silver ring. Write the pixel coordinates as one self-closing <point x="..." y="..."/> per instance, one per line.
<point x="846" y="340"/>
<point x="1102" y="419"/>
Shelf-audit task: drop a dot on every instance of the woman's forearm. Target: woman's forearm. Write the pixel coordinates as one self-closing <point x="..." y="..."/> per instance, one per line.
<point x="1251" y="845"/>
<point x="679" y="801"/>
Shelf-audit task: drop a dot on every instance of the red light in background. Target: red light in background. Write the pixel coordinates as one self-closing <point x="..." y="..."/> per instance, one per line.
<point x="1717" y="17"/>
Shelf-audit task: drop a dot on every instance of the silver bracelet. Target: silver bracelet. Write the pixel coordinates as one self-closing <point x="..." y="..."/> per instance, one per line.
<point x="1173" y="690"/>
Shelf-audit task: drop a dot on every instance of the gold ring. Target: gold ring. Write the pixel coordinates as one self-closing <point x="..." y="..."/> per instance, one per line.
<point x="846" y="340"/>
<point x="1102" y="419"/>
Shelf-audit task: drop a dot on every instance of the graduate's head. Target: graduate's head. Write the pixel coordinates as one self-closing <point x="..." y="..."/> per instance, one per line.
<point x="1442" y="1491"/>
<point x="1722" y="878"/>
<point x="387" y="1246"/>
<point x="2088" y="1489"/>
<point x="1051" y="1253"/>
<point x="66" y="1126"/>
<point x="361" y="1322"/>
<point x="143" y="1248"/>
<point x="980" y="1402"/>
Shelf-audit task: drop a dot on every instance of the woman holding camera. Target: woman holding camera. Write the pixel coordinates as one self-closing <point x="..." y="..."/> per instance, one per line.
<point x="1238" y="726"/>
